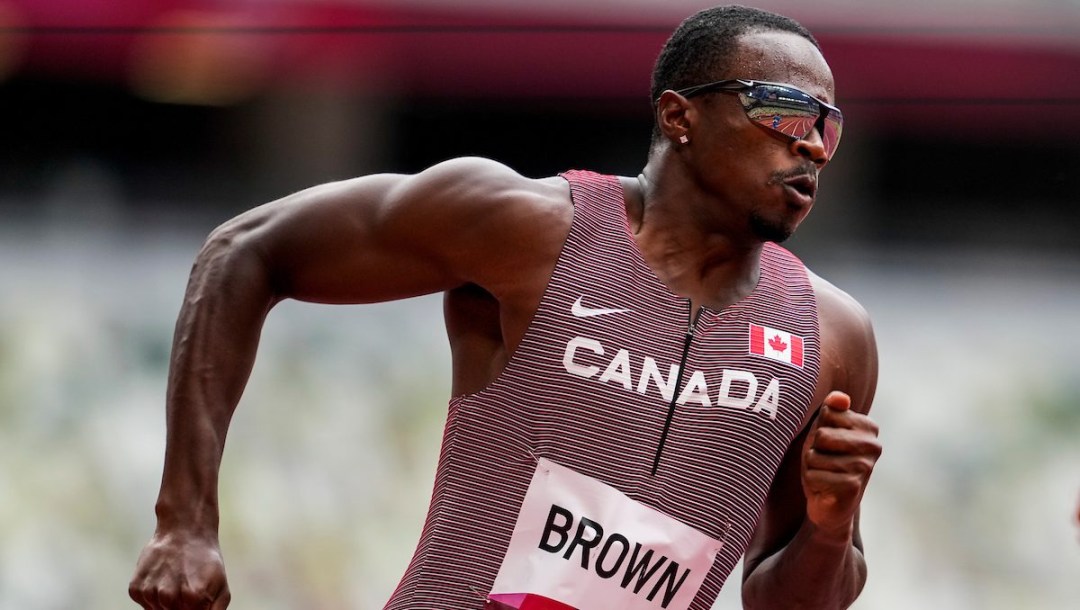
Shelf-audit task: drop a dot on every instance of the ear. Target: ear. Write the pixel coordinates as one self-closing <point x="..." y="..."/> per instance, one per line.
<point x="675" y="116"/>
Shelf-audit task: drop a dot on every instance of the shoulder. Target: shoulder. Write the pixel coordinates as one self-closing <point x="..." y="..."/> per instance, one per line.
<point x="839" y="310"/>
<point x="848" y="346"/>
<point x="495" y="226"/>
<point x="476" y="181"/>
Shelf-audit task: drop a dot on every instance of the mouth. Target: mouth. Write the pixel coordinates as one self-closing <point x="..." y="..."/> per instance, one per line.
<point x="802" y="188"/>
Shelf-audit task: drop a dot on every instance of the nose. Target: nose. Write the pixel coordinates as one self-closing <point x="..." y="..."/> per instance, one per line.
<point x="812" y="147"/>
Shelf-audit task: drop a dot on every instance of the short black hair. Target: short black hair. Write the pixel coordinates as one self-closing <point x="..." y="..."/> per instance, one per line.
<point x="702" y="44"/>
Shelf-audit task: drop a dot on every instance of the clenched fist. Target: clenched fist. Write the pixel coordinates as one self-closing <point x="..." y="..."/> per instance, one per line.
<point x="180" y="572"/>
<point x="837" y="458"/>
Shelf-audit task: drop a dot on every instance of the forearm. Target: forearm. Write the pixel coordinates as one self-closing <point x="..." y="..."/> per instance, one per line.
<point x="217" y="333"/>
<point x="815" y="571"/>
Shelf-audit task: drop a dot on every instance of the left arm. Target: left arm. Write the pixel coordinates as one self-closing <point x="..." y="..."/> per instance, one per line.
<point x="807" y="551"/>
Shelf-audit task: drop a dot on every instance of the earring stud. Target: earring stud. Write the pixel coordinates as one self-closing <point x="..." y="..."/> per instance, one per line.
<point x="683" y="139"/>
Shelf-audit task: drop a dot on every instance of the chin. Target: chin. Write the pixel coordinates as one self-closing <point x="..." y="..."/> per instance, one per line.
<point x="768" y="230"/>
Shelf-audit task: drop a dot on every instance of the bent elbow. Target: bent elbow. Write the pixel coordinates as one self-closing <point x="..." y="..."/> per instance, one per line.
<point x="233" y="257"/>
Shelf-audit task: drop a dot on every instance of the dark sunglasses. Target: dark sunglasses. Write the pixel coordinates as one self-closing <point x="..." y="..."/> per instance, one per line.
<point x="781" y="109"/>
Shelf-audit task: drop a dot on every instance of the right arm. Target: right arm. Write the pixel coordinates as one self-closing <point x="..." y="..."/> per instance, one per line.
<point x="369" y="239"/>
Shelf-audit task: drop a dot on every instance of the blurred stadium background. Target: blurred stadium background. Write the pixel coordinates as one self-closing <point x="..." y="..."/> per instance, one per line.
<point x="131" y="128"/>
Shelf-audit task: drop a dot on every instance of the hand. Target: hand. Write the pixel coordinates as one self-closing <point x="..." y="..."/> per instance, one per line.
<point x="180" y="572"/>
<point x="837" y="458"/>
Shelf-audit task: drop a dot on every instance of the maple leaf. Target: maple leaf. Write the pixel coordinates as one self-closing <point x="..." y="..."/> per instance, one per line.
<point x="777" y="343"/>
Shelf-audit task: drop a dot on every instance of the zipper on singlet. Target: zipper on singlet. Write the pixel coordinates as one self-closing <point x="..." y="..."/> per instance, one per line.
<point x="691" y="323"/>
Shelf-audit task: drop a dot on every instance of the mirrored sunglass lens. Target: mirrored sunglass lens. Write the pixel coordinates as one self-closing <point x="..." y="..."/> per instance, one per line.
<point x="784" y="110"/>
<point x="795" y="125"/>
<point x="834" y="126"/>
<point x="792" y="122"/>
<point x="792" y="113"/>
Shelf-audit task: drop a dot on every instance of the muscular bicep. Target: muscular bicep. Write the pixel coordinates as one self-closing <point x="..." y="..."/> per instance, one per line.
<point x="343" y="243"/>
<point x="386" y="236"/>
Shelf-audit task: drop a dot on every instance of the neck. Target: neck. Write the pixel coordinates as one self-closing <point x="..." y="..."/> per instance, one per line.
<point x="693" y="254"/>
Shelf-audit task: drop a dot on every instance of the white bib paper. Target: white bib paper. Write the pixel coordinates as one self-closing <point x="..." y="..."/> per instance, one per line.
<point x="587" y="545"/>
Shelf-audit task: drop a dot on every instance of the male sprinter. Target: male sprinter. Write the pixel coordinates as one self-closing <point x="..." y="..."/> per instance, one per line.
<point x="646" y="388"/>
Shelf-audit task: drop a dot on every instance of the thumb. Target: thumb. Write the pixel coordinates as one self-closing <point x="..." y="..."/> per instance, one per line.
<point x="837" y="401"/>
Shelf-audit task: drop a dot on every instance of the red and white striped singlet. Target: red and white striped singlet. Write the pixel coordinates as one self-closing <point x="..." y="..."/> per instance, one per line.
<point x="589" y="388"/>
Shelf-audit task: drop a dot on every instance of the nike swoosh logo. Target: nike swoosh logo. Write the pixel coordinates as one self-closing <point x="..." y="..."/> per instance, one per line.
<point x="581" y="311"/>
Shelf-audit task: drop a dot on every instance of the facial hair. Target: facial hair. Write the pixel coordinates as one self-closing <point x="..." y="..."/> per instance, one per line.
<point x="777" y="230"/>
<point x="767" y="230"/>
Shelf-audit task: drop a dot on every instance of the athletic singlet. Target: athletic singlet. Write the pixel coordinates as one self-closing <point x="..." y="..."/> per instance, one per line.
<point x="590" y="387"/>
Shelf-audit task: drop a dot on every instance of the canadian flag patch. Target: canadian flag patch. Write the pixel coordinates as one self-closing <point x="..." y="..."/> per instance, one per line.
<point x="776" y="344"/>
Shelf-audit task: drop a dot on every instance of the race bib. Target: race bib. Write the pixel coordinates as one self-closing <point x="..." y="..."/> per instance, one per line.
<point x="579" y="544"/>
